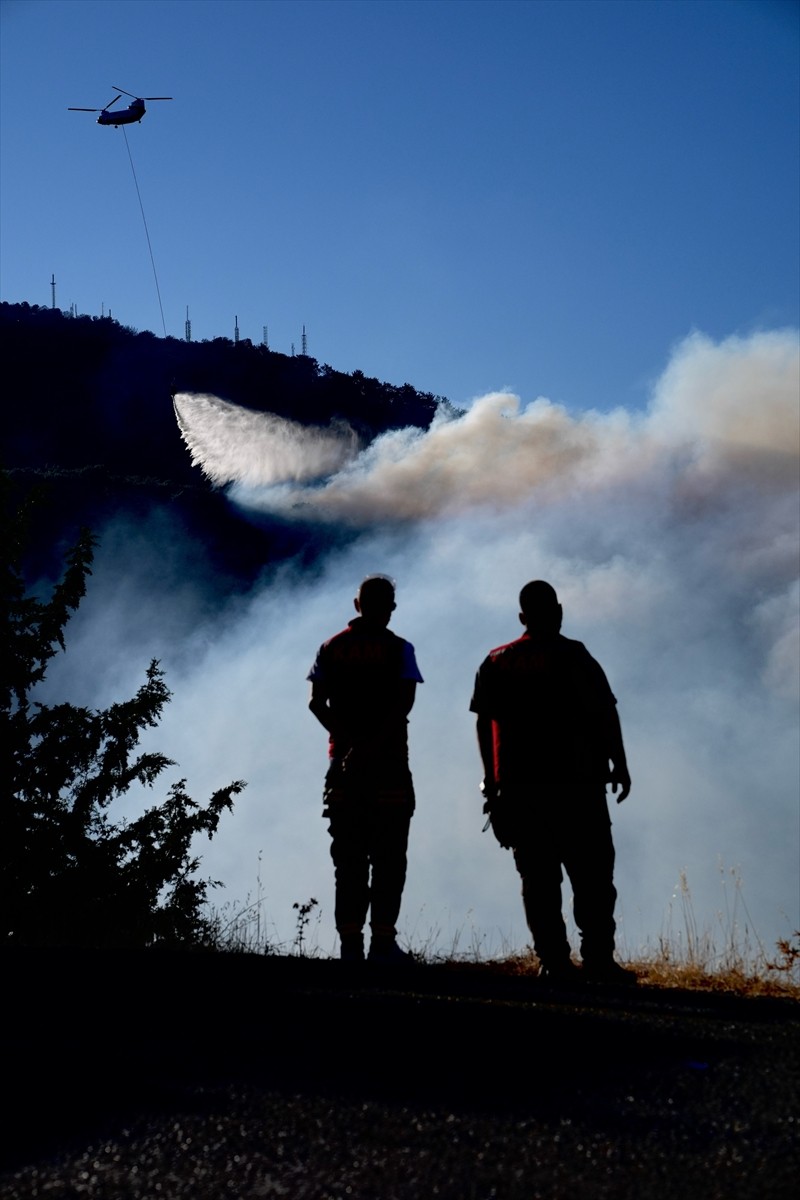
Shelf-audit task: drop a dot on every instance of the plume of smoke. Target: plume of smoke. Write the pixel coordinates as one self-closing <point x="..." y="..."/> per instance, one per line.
<point x="671" y="536"/>
<point x="722" y="416"/>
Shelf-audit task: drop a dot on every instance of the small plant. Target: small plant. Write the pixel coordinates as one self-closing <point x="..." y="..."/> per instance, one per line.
<point x="788" y="957"/>
<point x="241" y="927"/>
<point x="304" y="912"/>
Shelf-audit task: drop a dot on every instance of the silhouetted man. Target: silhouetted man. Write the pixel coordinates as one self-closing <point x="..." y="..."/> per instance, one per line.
<point x="363" y="684"/>
<point x="550" y="740"/>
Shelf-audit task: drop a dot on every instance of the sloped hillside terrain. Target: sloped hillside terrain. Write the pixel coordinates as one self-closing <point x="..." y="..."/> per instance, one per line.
<point x="90" y="422"/>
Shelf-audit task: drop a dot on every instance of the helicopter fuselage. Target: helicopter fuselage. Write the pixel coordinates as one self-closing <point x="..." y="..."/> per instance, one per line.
<point x="125" y="116"/>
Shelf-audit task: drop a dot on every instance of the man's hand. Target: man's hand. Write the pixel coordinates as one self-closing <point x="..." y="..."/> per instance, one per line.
<point x="489" y="792"/>
<point x="498" y="815"/>
<point x="620" y="779"/>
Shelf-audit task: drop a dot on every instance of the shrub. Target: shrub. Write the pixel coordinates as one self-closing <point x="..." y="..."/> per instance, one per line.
<point x="69" y="874"/>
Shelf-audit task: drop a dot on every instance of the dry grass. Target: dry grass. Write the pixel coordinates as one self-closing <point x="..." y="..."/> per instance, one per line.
<point x="727" y="958"/>
<point x="778" y="978"/>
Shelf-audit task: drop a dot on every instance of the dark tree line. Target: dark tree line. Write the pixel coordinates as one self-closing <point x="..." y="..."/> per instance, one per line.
<point x="91" y="391"/>
<point x="89" y="415"/>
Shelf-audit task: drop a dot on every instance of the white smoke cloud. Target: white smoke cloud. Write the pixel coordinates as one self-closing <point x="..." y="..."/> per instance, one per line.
<point x="671" y="536"/>
<point x="721" y="414"/>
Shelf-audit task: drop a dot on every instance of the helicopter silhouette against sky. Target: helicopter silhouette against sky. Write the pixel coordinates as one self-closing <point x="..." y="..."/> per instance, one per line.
<point x="123" y="116"/>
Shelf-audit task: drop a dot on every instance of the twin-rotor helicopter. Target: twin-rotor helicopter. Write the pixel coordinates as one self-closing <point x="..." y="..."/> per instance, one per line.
<point x="122" y="116"/>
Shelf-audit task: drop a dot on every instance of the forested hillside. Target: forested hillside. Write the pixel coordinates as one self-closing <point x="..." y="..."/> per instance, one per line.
<point x="90" y="414"/>
<point x="86" y="390"/>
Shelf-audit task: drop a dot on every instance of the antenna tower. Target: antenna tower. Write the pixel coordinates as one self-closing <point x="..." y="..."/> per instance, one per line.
<point x="265" y="338"/>
<point x="188" y="326"/>
<point x="304" y="343"/>
<point x="53" y="287"/>
<point x="236" y="330"/>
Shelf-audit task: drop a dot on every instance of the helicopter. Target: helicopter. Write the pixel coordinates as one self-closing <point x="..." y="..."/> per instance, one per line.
<point x="123" y="116"/>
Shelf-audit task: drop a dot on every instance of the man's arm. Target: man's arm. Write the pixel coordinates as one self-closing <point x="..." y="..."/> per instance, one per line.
<point x="318" y="703"/>
<point x="620" y="777"/>
<point x="486" y="749"/>
<point x="407" y="695"/>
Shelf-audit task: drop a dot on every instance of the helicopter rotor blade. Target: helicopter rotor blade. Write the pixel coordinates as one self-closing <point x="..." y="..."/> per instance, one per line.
<point x="119" y="89"/>
<point x="71" y="108"/>
<point x="114" y="101"/>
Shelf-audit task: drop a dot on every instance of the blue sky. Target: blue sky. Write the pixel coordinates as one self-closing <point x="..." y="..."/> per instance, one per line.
<point x="466" y="196"/>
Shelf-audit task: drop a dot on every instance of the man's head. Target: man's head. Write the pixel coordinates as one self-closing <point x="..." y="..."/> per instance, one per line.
<point x="540" y="611"/>
<point x="375" y="600"/>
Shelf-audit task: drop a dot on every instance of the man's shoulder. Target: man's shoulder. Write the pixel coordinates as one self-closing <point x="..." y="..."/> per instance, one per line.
<point x="507" y="649"/>
<point x="571" y="646"/>
<point x="357" y="640"/>
<point x="343" y="633"/>
<point x="357" y="628"/>
<point x="525" y="647"/>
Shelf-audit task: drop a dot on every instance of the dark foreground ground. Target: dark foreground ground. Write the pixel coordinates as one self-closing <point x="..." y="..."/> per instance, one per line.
<point x="240" y="1076"/>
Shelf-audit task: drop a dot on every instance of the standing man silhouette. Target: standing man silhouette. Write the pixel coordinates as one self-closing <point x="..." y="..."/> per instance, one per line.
<point x="363" y="684"/>
<point x="550" y="740"/>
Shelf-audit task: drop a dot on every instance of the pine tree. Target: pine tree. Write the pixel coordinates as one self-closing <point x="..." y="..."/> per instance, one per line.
<point x="70" y="874"/>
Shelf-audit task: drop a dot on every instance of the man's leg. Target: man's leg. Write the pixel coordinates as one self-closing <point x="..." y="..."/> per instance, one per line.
<point x="350" y="854"/>
<point x="537" y="861"/>
<point x="388" y="845"/>
<point x="589" y="861"/>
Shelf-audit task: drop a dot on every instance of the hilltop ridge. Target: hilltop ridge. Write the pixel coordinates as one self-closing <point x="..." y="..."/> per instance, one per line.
<point x="91" y="419"/>
<point x="88" y="390"/>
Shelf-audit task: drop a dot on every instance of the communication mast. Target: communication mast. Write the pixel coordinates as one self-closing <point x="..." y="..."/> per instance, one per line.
<point x="53" y="286"/>
<point x="265" y="338"/>
<point x="236" y="331"/>
<point x="304" y="343"/>
<point x="188" y="326"/>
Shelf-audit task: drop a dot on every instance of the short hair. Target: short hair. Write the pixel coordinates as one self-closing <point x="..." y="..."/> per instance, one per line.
<point x="377" y="586"/>
<point x="538" y="597"/>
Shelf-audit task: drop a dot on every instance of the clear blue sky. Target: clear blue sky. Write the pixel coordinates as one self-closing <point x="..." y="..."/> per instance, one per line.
<point x="466" y="196"/>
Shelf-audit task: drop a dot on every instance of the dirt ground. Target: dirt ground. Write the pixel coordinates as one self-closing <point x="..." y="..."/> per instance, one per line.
<point x="208" y="1076"/>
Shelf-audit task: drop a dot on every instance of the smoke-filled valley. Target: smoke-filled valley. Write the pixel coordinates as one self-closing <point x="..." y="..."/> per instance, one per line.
<point x="671" y="535"/>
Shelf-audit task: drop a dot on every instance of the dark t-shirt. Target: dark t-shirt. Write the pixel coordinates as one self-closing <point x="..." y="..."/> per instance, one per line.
<point x="550" y="705"/>
<point x="361" y="670"/>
